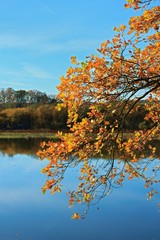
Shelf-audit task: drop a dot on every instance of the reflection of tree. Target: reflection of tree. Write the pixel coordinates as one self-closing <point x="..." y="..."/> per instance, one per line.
<point x="19" y="146"/>
<point x="98" y="177"/>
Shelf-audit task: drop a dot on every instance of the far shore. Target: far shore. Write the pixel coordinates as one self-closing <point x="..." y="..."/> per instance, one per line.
<point x="27" y="134"/>
<point x="44" y="133"/>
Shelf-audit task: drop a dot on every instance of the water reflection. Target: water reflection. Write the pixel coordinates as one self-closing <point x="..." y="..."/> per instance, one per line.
<point x="12" y="147"/>
<point x="98" y="177"/>
<point x="25" y="213"/>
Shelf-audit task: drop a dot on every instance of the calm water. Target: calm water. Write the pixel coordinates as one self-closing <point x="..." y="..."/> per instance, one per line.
<point x="27" y="214"/>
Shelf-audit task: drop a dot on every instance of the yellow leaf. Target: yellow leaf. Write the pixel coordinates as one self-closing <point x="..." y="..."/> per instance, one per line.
<point x="116" y="29"/>
<point x="112" y="130"/>
<point x="87" y="197"/>
<point x="73" y="60"/>
<point x="122" y="27"/>
<point x="76" y="216"/>
<point x="59" y="107"/>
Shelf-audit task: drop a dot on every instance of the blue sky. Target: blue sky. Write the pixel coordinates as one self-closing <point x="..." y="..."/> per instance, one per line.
<point x="38" y="37"/>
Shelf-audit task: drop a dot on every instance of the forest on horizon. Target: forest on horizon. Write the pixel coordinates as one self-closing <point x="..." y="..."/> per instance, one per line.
<point x="35" y="110"/>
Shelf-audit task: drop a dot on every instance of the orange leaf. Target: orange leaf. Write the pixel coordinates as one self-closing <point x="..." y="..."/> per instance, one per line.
<point x="76" y="216"/>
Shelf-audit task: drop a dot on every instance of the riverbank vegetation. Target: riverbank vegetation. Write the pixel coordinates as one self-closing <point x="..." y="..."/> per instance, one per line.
<point x="25" y="134"/>
<point x="30" y="110"/>
<point x="33" y="110"/>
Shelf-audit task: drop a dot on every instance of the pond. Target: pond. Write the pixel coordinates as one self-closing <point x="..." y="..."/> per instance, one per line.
<point x="27" y="214"/>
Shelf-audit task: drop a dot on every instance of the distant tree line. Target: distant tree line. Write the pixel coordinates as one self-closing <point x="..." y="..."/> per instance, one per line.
<point x="31" y="109"/>
<point x="33" y="117"/>
<point x="10" y="98"/>
<point x="34" y="110"/>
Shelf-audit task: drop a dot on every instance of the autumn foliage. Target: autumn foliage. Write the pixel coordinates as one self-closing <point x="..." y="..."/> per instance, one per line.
<point x="125" y="71"/>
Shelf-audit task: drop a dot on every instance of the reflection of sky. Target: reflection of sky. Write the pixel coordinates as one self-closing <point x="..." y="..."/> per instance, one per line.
<point x="25" y="213"/>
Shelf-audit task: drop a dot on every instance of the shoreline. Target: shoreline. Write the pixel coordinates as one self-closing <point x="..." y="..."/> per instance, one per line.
<point x="17" y="134"/>
<point x="48" y="134"/>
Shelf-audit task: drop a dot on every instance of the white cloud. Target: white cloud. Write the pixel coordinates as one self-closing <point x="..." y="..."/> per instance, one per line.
<point x="13" y="83"/>
<point x="46" y="42"/>
<point x="49" y="10"/>
<point x="36" y="72"/>
<point x="16" y="41"/>
<point x="26" y="71"/>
